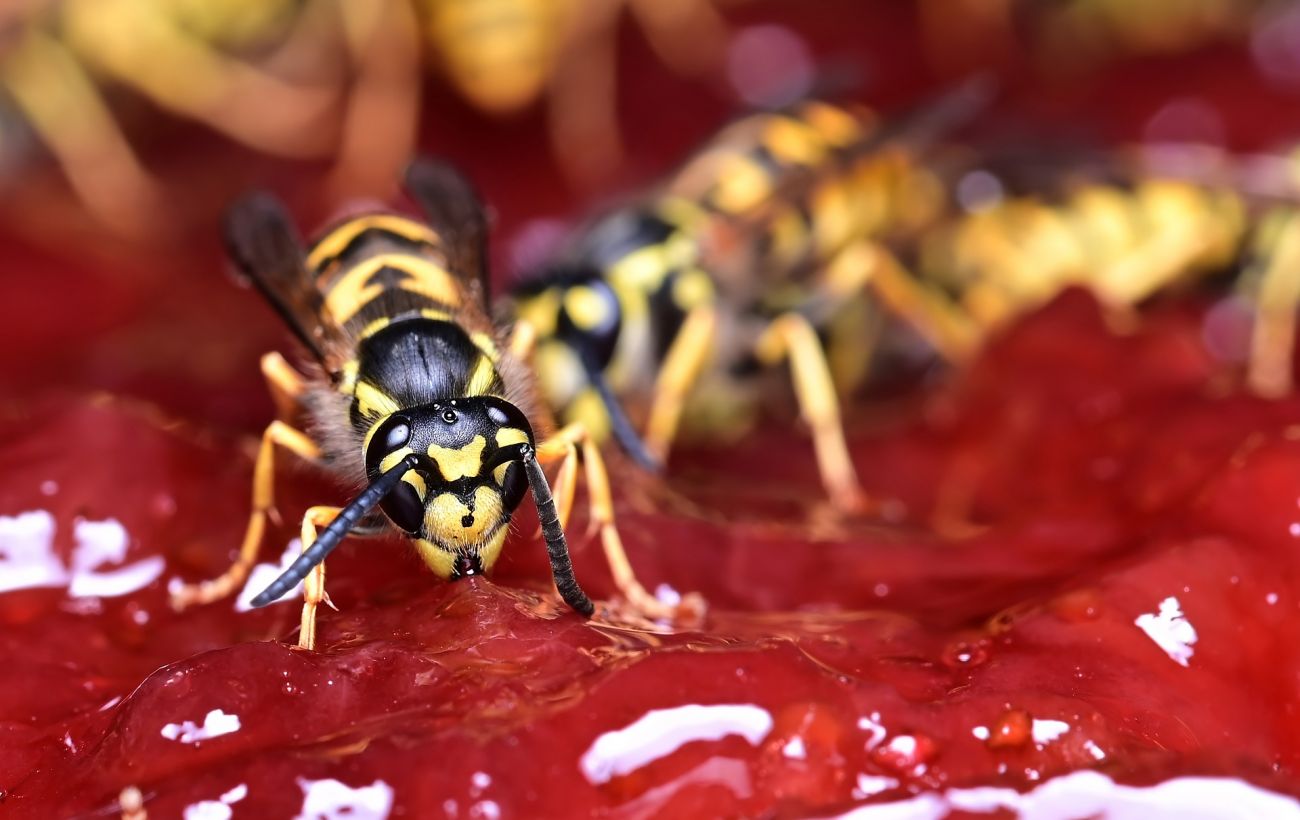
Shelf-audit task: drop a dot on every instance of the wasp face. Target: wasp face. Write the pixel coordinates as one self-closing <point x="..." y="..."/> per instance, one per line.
<point x="468" y="481"/>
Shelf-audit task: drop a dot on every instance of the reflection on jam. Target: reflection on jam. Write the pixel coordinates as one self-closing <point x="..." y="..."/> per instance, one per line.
<point x="1101" y="632"/>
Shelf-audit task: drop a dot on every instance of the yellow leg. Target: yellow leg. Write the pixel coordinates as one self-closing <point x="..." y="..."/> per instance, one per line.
<point x="1272" y="341"/>
<point x="153" y="54"/>
<point x="866" y="265"/>
<point x="59" y="99"/>
<point x="277" y="433"/>
<point x="565" y="447"/>
<point x="523" y="341"/>
<point x="313" y="586"/>
<point x="681" y="368"/>
<point x="285" y="384"/>
<point x="381" y="117"/>
<point x="791" y="335"/>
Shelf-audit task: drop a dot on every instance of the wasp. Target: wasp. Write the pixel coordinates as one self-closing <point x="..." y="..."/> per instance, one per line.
<point x="504" y="55"/>
<point x="1130" y="226"/>
<point x="413" y="395"/>
<point x="746" y="256"/>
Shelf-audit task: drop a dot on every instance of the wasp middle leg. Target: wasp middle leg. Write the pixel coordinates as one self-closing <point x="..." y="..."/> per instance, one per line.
<point x="570" y="445"/>
<point x="285" y="384"/>
<point x="791" y="335"/>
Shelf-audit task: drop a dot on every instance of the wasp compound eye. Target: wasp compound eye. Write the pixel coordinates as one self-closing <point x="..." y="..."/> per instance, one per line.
<point x="392" y="436"/>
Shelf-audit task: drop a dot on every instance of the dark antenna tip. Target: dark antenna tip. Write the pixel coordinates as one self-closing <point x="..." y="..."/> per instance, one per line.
<point x="557" y="549"/>
<point x="333" y="535"/>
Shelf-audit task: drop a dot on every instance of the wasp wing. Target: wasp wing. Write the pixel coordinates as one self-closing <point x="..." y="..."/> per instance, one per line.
<point x="264" y="245"/>
<point x="455" y="212"/>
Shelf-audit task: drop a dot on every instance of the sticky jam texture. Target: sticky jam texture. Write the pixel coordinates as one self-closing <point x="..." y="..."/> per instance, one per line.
<point x="1122" y="596"/>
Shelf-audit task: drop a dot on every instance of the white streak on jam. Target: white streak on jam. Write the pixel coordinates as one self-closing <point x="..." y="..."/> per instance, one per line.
<point x="218" y="809"/>
<point x="27" y="558"/>
<point x="1171" y="631"/>
<point x="1093" y="794"/>
<point x="660" y="732"/>
<point x="335" y="800"/>
<point x="215" y="724"/>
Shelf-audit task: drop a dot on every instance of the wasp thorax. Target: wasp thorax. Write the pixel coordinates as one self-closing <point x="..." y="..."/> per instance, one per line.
<point x="468" y="479"/>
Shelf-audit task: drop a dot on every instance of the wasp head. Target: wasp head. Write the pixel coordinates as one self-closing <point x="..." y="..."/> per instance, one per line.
<point x="466" y="482"/>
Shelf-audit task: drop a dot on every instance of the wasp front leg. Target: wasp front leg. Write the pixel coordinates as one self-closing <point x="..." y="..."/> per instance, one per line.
<point x="284" y="382"/>
<point x="313" y="586"/>
<point x="569" y="446"/>
<point x="790" y="335"/>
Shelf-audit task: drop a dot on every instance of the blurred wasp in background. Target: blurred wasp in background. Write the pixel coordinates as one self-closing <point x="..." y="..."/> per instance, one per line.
<point x="1065" y="35"/>
<point x="334" y="80"/>
<point x="756" y="250"/>
<point x="412" y="394"/>
<point x="1129" y="226"/>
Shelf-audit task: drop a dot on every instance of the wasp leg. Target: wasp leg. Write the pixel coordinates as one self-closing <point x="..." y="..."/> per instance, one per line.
<point x="49" y="86"/>
<point x="791" y="335"/>
<point x="276" y="433"/>
<point x="565" y="446"/>
<point x="285" y="384"/>
<point x="869" y="266"/>
<point x="185" y="75"/>
<point x="313" y="586"/>
<point x="582" y="97"/>
<point x="379" y="125"/>
<point x="1272" y="340"/>
<point x="681" y="368"/>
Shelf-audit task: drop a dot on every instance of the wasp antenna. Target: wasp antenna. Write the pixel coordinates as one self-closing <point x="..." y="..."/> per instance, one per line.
<point x="619" y="424"/>
<point x="333" y="535"/>
<point x="557" y="549"/>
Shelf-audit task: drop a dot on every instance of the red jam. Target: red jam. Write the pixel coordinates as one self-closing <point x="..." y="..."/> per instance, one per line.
<point x="1125" y="602"/>
<point x="1086" y="570"/>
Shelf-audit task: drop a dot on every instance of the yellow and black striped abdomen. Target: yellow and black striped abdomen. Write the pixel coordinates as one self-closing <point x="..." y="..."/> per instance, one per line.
<point x="386" y="284"/>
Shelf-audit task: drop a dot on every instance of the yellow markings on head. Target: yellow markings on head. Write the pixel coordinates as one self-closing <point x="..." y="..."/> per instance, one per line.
<point x="507" y="436"/>
<point x="442" y="559"/>
<point x="333" y="243"/>
<point x="390" y="461"/>
<point x="417" y="482"/>
<point x="373" y="402"/>
<point x="436" y="315"/>
<point x="410" y="476"/>
<point x="587" y="308"/>
<point x="794" y="142"/>
<point x="450" y="522"/>
<point x="742" y="184"/>
<point x="692" y="288"/>
<point x="348" y="376"/>
<point x="483" y="377"/>
<point x="354" y="288"/>
<point x="459" y="462"/>
<point x="837" y="126"/>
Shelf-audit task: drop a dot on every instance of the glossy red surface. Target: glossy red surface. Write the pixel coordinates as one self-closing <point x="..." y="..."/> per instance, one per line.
<point x="1127" y="494"/>
<point x="1129" y="601"/>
